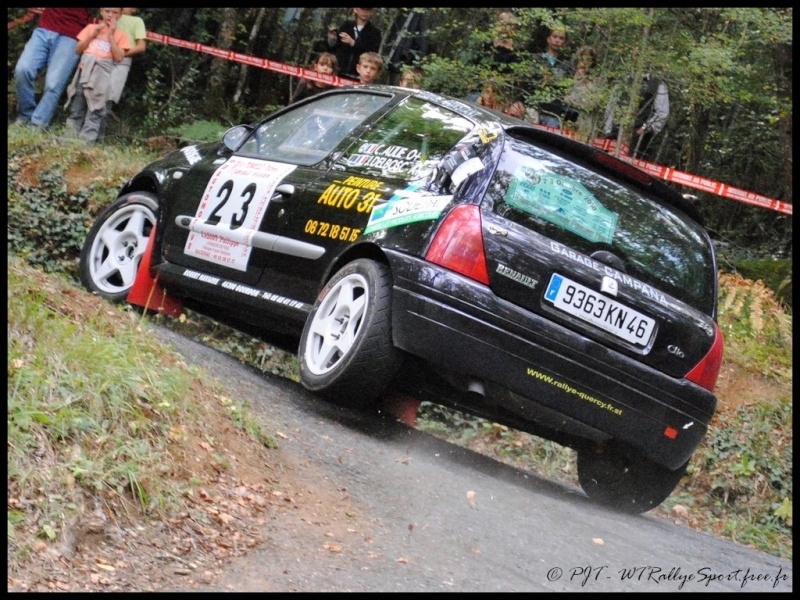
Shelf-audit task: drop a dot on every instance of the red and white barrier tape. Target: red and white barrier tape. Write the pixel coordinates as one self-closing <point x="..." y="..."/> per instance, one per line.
<point x="667" y="173"/>
<point x="253" y="61"/>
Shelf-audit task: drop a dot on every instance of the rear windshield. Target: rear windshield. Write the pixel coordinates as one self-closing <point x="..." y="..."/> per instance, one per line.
<point x="589" y="211"/>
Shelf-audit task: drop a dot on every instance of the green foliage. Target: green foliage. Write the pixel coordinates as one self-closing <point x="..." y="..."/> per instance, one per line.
<point x="776" y="275"/>
<point x="200" y="131"/>
<point x="757" y="332"/>
<point x="746" y="471"/>
<point x="55" y="189"/>
<point x="95" y="412"/>
<point x="80" y="407"/>
<point x="46" y="224"/>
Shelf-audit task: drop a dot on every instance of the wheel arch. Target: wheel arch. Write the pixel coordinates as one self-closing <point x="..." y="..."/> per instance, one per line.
<point x="143" y="182"/>
<point x="363" y="250"/>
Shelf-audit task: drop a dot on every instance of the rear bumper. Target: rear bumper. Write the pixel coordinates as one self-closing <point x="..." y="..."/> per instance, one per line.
<point x="459" y="324"/>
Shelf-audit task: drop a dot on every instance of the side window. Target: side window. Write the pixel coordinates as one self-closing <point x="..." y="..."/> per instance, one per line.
<point x="406" y="143"/>
<point x="310" y="132"/>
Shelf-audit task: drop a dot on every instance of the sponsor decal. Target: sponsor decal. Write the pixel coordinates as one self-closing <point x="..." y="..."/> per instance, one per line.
<point x="406" y="206"/>
<point x="231" y="210"/>
<point x="562" y="201"/>
<point x="611" y="272"/>
<point x="245" y="290"/>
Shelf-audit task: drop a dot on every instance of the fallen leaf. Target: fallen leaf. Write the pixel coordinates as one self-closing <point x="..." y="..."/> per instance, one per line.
<point x="332" y="547"/>
<point x="471" y="498"/>
<point x="224" y="518"/>
<point x="282" y="435"/>
<point x="679" y="510"/>
<point x="402" y="560"/>
<point x="598" y="541"/>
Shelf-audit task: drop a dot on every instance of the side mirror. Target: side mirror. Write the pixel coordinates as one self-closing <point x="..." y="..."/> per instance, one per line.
<point x="234" y="137"/>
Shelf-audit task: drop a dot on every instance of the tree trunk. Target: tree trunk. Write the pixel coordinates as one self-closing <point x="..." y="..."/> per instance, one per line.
<point x="220" y="68"/>
<point x="249" y="50"/>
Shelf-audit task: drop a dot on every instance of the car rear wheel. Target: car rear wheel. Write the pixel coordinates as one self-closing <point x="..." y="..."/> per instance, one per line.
<point x="346" y="353"/>
<point x="115" y="244"/>
<point x="620" y="477"/>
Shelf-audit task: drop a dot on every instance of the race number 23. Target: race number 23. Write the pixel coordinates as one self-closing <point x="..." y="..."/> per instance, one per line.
<point x="238" y="208"/>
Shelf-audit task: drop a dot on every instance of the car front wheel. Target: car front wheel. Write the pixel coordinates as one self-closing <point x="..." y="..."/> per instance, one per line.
<point x="620" y="477"/>
<point x="346" y="353"/>
<point x="115" y="244"/>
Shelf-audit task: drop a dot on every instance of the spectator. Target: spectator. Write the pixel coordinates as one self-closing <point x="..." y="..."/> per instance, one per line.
<point x="581" y="103"/>
<point x="651" y="116"/>
<point x="51" y="46"/>
<point x="100" y="47"/>
<point x="411" y="77"/>
<point x="351" y="40"/>
<point x="134" y="27"/>
<point x="407" y="40"/>
<point x="327" y="65"/>
<point x="555" y="71"/>
<point x="503" y="92"/>
<point x="369" y="67"/>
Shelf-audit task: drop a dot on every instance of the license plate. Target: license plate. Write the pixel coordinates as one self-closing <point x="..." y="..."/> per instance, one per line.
<point x="599" y="310"/>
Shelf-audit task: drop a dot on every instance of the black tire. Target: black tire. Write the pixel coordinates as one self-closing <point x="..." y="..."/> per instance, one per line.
<point x="114" y="246"/>
<point x="346" y="354"/>
<point x="620" y="477"/>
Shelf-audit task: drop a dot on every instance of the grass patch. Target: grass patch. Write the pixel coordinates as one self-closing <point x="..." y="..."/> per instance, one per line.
<point x="99" y="412"/>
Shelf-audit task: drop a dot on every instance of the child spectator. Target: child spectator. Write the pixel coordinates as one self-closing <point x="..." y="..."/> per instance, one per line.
<point x="352" y="39"/>
<point x="411" y="77"/>
<point x="100" y="47"/>
<point x="134" y="27"/>
<point x="369" y="67"/>
<point x="50" y="47"/>
<point x="326" y="64"/>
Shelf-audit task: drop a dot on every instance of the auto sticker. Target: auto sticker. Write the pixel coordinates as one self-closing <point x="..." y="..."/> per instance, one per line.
<point x="390" y="158"/>
<point x="465" y="169"/>
<point x="354" y="193"/>
<point x="406" y="206"/>
<point x="232" y="207"/>
<point x="562" y="201"/>
<point x="191" y="154"/>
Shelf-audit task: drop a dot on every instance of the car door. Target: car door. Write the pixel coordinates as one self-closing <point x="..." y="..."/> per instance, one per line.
<point x="375" y="186"/>
<point x="227" y="214"/>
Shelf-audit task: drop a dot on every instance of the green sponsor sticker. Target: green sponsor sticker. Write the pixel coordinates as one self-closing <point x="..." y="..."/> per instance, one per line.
<point x="562" y="201"/>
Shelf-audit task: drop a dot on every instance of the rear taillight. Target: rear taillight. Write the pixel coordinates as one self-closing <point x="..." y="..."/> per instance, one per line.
<point x="707" y="370"/>
<point x="458" y="244"/>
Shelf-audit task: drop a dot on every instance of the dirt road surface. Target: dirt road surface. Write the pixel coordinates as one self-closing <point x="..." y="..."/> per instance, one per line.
<point x="381" y="507"/>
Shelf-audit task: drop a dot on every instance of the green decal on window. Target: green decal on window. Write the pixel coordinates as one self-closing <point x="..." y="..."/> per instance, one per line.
<point x="563" y="202"/>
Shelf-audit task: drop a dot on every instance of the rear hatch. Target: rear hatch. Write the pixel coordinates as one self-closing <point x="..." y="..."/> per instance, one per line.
<point x="568" y="237"/>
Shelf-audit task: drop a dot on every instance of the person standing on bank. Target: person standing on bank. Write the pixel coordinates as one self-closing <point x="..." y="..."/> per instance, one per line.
<point x="554" y="71"/>
<point x="651" y="116"/>
<point x="51" y="46"/>
<point x="352" y="39"/>
<point x="99" y="47"/>
<point x="134" y="27"/>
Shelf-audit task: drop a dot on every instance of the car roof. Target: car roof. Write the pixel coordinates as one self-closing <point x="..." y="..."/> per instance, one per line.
<point x="492" y="119"/>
